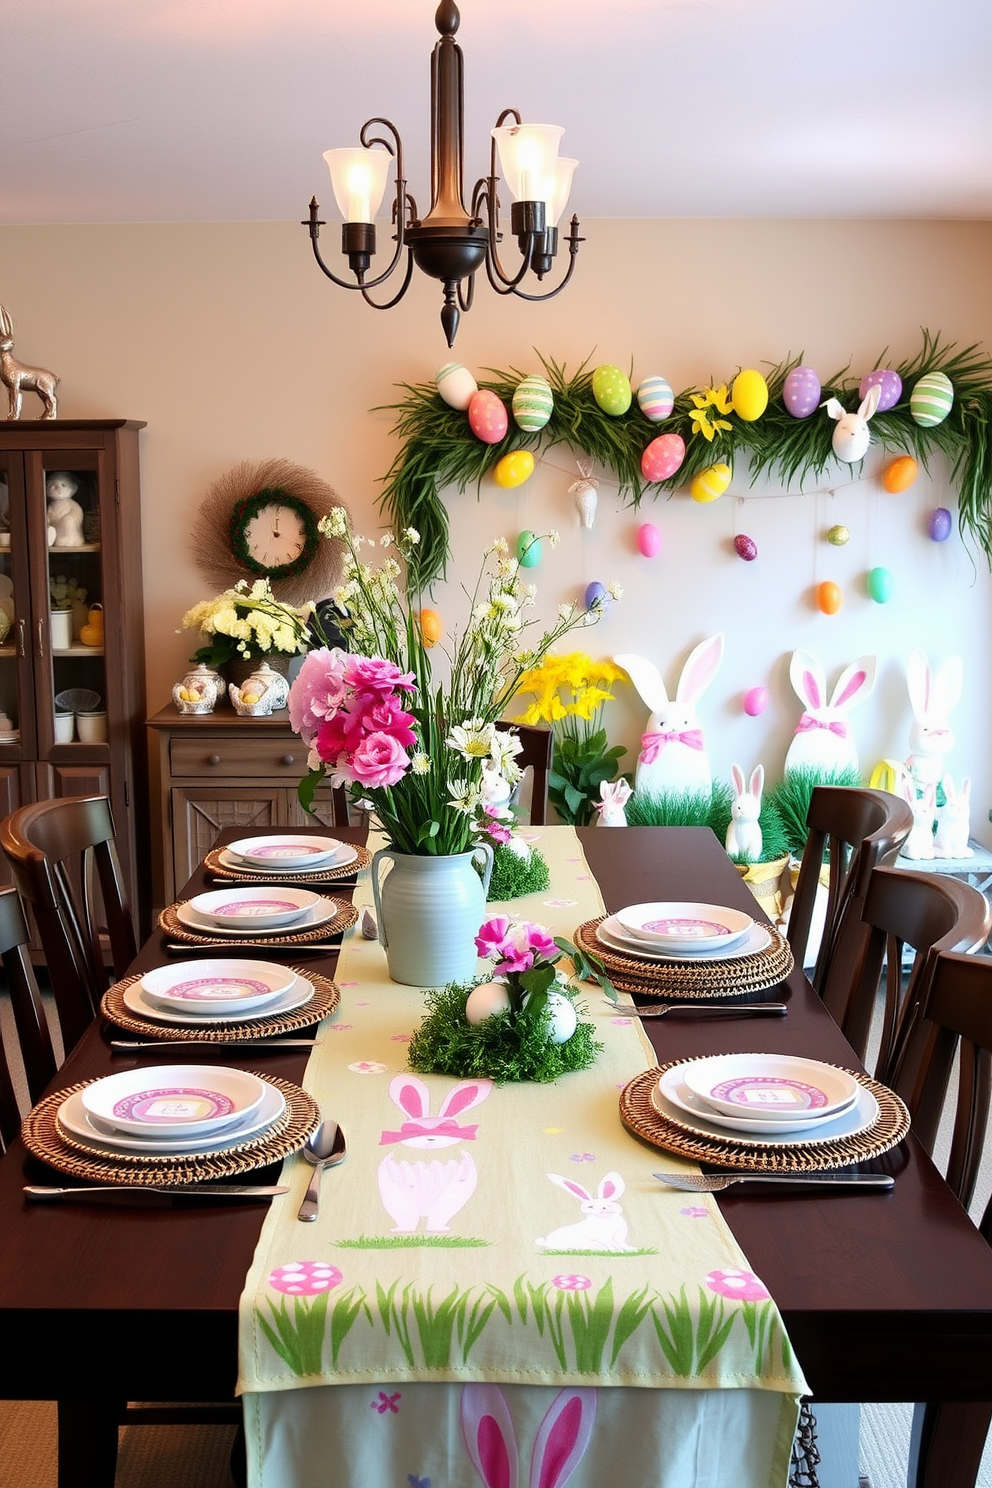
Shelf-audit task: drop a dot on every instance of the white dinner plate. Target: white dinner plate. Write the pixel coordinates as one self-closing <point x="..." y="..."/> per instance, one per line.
<point x="612" y="934"/>
<point x="181" y="1100"/>
<point x="673" y="1099"/>
<point x="211" y="986"/>
<point x="289" y="851"/>
<point x="92" y="1133"/>
<point x="324" y="910"/>
<point x="137" y="1001"/>
<point x="770" y="1087"/>
<point x="676" y="925"/>
<point x="254" y="909"/>
<point x="279" y="870"/>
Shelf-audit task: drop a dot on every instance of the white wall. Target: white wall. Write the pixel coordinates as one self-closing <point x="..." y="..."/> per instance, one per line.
<point x="232" y="346"/>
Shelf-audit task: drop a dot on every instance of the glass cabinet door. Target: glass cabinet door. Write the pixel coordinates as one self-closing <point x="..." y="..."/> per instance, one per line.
<point x="17" y="732"/>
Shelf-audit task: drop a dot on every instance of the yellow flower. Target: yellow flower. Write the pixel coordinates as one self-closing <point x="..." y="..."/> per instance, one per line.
<point x="717" y="398"/>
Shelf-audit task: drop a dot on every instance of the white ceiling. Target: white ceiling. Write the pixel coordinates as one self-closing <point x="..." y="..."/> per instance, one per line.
<point x="218" y="110"/>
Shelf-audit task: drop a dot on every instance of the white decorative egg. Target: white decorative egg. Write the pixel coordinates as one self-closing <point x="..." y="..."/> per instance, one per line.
<point x="533" y="403"/>
<point x="931" y="399"/>
<point x="456" y="385"/>
<point x="655" y="398"/>
<point x="562" y="1017"/>
<point x="485" y="1000"/>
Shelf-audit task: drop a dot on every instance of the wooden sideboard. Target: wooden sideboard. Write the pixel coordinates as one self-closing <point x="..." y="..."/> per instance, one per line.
<point x="219" y="770"/>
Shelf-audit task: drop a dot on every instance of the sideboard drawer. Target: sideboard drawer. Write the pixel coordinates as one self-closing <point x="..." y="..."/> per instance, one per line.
<point x="280" y="759"/>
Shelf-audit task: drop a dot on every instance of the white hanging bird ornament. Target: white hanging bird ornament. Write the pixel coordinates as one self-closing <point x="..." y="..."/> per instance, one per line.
<point x="585" y="491"/>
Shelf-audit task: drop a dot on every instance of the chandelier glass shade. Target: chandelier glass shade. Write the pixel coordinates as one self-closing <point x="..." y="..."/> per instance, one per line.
<point x="450" y="243"/>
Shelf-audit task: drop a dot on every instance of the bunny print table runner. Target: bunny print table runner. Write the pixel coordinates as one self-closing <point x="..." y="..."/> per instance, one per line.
<point x="486" y="1260"/>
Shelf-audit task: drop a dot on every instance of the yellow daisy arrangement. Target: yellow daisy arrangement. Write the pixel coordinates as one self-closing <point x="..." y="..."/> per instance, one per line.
<point x="569" y="693"/>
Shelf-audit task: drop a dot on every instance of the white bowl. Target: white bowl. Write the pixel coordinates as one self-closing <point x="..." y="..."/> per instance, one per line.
<point x="217" y="986"/>
<point x="254" y="909"/>
<point x="286" y="850"/>
<point x="181" y="1100"/>
<point x="770" y="1086"/>
<point x="680" y="926"/>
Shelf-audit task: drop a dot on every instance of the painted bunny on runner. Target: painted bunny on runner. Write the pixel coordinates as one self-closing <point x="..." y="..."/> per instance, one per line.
<point x="604" y="1226"/>
<point x="823" y="740"/>
<point x="673" y="755"/>
<point x="560" y="1444"/>
<point x="932" y="696"/>
<point x="433" y="1191"/>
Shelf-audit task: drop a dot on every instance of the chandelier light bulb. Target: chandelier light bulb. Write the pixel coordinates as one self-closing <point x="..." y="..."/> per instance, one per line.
<point x="358" y="178"/>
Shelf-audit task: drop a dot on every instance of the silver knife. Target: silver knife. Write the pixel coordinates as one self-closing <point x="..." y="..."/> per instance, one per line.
<point x="272" y="1045"/>
<point x="161" y="1190"/>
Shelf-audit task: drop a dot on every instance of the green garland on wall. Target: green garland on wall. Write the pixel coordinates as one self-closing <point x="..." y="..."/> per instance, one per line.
<point x="438" y="449"/>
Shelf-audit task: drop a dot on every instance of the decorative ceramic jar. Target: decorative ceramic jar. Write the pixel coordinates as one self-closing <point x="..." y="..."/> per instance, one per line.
<point x="429" y="911"/>
<point x="261" y="693"/>
<point x="61" y="630"/>
<point x="198" y="691"/>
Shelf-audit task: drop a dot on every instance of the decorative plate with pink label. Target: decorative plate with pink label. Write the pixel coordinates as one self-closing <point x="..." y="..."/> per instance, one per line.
<point x="183" y="1100"/>
<point x="254" y="909"/>
<point x="770" y="1087"/>
<point x="289" y="851"/>
<point x="685" y="927"/>
<point x="215" y="987"/>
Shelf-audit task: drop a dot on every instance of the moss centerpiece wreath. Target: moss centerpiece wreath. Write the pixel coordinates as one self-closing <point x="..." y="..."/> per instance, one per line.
<point x="941" y="400"/>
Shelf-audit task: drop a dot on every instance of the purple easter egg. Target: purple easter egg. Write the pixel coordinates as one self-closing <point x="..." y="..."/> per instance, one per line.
<point x="595" y="594"/>
<point x="648" y="540"/>
<point x="755" y="701"/>
<point x="745" y="547"/>
<point x="889" y="384"/>
<point x="662" y="457"/>
<point x="801" y="392"/>
<point x="940" y="524"/>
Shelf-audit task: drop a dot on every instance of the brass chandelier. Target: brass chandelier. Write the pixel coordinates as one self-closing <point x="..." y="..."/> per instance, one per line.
<point x="451" y="244"/>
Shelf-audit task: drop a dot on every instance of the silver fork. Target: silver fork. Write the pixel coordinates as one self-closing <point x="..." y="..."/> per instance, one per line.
<point x="744" y="1010"/>
<point x="713" y="1182"/>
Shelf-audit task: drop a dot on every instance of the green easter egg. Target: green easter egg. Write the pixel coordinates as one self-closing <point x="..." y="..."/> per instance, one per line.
<point x="931" y="399"/>
<point x="528" y="550"/>
<point x="838" y="536"/>
<point x="879" y="585"/>
<point x="611" y="389"/>
<point x="533" y="403"/>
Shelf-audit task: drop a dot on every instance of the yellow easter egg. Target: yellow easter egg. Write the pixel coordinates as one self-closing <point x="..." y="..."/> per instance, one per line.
<point x="711" y="483"/>
<point x="250" y="697"/>
<point x="749" y="395"/>
<point x="513" y="469"/>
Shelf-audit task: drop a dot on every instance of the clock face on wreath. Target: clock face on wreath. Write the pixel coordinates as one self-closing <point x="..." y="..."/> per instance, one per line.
<point x="274" y="534"/>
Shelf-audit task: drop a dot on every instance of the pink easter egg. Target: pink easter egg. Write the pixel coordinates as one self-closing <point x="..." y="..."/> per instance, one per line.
<point x="801" y="392"/>
<point x="745" y="547"/>
<point x="662" y="457"/>
<point x="487" y="416"/>
<point x="889" y="384"/>
<point x="755" y="701"/>
<point x="648" y="540"/>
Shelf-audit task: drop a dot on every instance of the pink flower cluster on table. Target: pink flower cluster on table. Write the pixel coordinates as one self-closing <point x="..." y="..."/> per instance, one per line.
<point x="515" y="945"/>
<point x="348" y="711"/>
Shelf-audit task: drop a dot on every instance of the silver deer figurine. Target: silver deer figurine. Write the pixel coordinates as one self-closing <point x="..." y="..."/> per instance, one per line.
<point x="18" y="379"/>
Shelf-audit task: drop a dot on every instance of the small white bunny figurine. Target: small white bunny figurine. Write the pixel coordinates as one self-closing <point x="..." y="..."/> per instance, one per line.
<point x="852" y="436"/>
<point x="673" y="756"/>
<point x="932" y="696"/>
<point x="744" y="833"/>
<point x="823" y="740"/>
<point x="919" y="843"/>
<point x="604" y="1226"/>
<point x="614" y="797"/>
<point x="954" y="822"/>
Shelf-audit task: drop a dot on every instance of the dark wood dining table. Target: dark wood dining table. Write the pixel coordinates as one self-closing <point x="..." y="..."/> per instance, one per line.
<point x="886" y="1296"/>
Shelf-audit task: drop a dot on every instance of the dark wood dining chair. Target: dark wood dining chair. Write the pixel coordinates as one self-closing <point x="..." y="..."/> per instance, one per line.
<point x="65" y="866"/>
<point x="854" y="829"/>
<point x="537" y="747"/>
<point x="31" y="1032"/>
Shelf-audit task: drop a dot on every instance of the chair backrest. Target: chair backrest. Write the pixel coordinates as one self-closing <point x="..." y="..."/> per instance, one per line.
<point x="856" y="829"/>
<point x="904" y="912"/>
<point x="536" y="748"/>
<point x="30" y="1023"/>
<point x="53" y="848"/>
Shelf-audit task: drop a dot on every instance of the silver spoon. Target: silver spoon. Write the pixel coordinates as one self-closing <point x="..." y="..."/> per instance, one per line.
<point x="713" y="1182"/>
<point x="325" y="1149"/>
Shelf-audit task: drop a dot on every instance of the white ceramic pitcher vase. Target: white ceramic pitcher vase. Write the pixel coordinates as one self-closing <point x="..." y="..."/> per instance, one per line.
<point x="429" y="911"/>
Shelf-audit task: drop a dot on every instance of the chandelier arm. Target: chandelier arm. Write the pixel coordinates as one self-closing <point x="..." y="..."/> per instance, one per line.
<point x="573" y="240"/>
<point x="388" y="304"/>
<point x="466" y="298"/>
<point x="485" y="194"/>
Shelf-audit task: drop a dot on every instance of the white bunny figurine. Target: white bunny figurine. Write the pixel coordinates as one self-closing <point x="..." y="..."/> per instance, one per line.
<point x="852" y="436"/>
<point x="744" y="833"/>
<point x="673" y="756"/>
<point x="823" y="740"/>
<point x="561" y="1441"/>
<point x="932" y="697"/>
<point x="919" y="843"/>
<point x="614" y="797"/>
<point x="604" y="1226"/>
<point x="434" y="1191"/>
<point x="953" y="822"/>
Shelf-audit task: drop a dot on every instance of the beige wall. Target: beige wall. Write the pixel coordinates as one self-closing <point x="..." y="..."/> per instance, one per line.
<point x="228" y="341"/>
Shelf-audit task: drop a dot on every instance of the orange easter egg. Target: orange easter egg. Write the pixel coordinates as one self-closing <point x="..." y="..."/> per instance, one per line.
<point x="900" y="475"/>
<point x="828" y="597"/>
<point x="431" y="628"/>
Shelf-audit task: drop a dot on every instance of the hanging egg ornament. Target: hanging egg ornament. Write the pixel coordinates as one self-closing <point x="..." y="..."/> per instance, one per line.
<point x="900" y="475"/>
<point x="611" y="389"/>
<point x="662" y="457"/>
<point x="648" y="540"/>
<point x="828" y="597"/>
<point x="655" y="398"/>
<point x="879" y="585"/>
<point x="487" y="417"/>
<point x="749" y="395"/>
<point x="431" y="628"/>
<point x="940" y="524"/>
<point x="711" y="483"/>
<point x="456" y="385"/>
<point x="513" y="469"/>
<point x="533" y="403"/>
<point x="596" y="594"/>
<point x="931" y="400"/>
<point x="528" y="549"/>
<point x="838" y="535"/>
<point x="484" y="1001"/>
<point x="745" y="547"/>
<point x="801" y="392"/>
<point x="889" y="386"/>
<point x="755" y="701"/>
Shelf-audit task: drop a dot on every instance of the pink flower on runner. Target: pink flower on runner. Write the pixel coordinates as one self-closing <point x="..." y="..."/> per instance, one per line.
<point x="571" y="1282"/>
<point x="305" y="1278"/>
<point x="318" y="691"/>
<point x="373" y="674"/>
<point x="379" y="760"/>
<point x="695" y="1211"/>
<point x="743" y="1286"/>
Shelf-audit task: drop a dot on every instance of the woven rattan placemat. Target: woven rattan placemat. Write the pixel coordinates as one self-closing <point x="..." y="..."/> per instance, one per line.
<point x="324" y="1000"/>
<point x="44" y="1138"/>
<point x="691" y="979"/>
<point x="639" y="1115"/>
<point x="215" y="866"/>
<point x="346" y="916"/>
